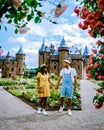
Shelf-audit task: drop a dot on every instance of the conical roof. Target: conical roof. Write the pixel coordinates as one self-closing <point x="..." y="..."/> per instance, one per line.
<point x="20" y="51"/>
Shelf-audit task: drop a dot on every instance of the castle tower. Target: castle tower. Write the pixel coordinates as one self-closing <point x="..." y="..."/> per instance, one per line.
<point x="86" y="54"/>
<point x="47" y="57"/>
<point x="41" y="53"/>
<point x="20" y="56"/>
<point x="63" y="53"/>
<point x="54" y="62"/>
<point x="7" y="66"/>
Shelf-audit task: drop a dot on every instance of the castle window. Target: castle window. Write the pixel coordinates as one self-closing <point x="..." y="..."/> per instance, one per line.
<point x="12" y="63"/>
<point x="78" y="67"/>
<point x="19" y="69"/>
<point x="12" y="69"/>
<point x="54" y="67"/>
<point x="54" y="62"/>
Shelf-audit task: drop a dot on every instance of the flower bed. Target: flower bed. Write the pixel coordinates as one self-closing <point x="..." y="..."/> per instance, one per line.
<point x="27" y="92"/>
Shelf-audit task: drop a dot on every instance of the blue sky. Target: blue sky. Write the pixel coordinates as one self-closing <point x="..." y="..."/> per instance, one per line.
<point x="32" y="40"/>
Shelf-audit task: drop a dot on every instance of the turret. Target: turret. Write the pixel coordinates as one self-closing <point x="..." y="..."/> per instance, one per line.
<point x="20" y="56"/>
<point x="86" y="54"/>
<point x="7" y="65"/>
<point x="41" y="53"/>
<point x="63" y="52"/>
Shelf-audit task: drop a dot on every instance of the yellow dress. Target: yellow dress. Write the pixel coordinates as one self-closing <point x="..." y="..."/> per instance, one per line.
<point x="44" y="82"/>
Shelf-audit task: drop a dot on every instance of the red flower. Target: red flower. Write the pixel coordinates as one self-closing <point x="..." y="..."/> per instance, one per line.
<point x="80" y="25"/>
<point x="82" y="17"/>
<point x="91" y="59"/>
<point x="89" y="67"/>
<point x="102" y="56"/>
<point x="98" y="42"/>
<point x="84" y="27"/>
<point x="97" y="106"/>
<point x="76" y="10"/>
<point x="102" y="32"/>
<point x="97" y="64"/>
<point x="102" y="49"/>
<point x="100" y="77"/>
<point x="90" y="16"/>
<point x="94" y="51"/>
<point x="93" y="23"/>
<point x="89" y="75"/>
<point x="91" y="33"/>
<point x="86" y="22"/>
<point x="101" y="4"/>
<point x="98" y="14"/>
<point x="99" y="25"/>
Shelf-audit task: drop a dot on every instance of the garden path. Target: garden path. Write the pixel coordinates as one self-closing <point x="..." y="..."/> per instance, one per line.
<point x="16" y="115"/>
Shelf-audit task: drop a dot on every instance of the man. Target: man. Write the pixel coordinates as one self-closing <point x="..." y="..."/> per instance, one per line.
<point x="69" y="79"/>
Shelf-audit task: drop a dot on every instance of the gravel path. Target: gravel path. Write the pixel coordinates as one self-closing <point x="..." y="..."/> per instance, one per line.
<point x="16" y="115"/>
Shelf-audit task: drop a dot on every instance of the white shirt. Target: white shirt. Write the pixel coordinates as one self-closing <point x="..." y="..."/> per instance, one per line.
<point x="70" y="70"/>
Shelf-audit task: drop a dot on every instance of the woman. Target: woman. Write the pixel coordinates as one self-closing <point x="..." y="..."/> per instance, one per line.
<point x="43" y="88"/>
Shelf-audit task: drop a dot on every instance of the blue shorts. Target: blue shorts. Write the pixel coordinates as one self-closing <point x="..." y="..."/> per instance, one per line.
<point x="67" y="90"/>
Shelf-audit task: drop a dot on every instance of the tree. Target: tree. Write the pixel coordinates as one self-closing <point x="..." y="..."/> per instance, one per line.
<point x="20" y="12"/>
<point x="92" y="14"/>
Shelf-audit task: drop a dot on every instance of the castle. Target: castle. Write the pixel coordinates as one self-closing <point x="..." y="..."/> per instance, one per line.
<point x="13" y="66"/>
<point x="53" y="58"/>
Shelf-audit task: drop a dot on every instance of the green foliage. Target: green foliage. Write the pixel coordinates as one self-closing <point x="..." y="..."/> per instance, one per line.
<point x="16" y="12"/>
<point x="29" y="92"/>
<point x="101" y="84"/>
<point x="6" y="82"/>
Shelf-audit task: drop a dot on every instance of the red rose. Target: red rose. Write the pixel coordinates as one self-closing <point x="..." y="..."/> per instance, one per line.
<point x="89" y="75"/>
<point x="100" y="77"/>
<point x="98" y="42"/>
<point x="76" y="10"/>
<point x="88" y="67"/>
<point x="91" y="33"/>
<point x="94" y="51"/>
<point x="97" y="64"/>
<point x="102" y="56"/>
<point x="99" y="25"/>
<point x="80" y="25"/>
<point x="97" y="106"/>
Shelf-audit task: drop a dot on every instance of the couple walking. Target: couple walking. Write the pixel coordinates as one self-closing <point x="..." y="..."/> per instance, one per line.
<point x="69" y="79"/>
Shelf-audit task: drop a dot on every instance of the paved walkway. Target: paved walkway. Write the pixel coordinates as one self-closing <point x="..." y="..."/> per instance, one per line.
<point x="16" y="115"/>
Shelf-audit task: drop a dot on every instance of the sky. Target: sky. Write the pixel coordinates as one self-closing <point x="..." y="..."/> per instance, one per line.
<point x="53" y="33"/>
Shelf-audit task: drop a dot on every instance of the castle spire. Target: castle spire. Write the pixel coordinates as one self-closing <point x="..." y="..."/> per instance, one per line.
<point x="8" y="54"/>
<point x="20" y="51"/>
<point x="86" y="51"/>
<point x="42" y="49"/>
<point x="62" y="44"/>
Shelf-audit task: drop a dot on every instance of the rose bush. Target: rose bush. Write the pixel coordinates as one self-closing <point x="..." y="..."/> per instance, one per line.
<point x="92" y="14"/>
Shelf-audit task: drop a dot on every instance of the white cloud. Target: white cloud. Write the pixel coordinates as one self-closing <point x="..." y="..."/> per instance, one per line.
<point x="32" y="40"/>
